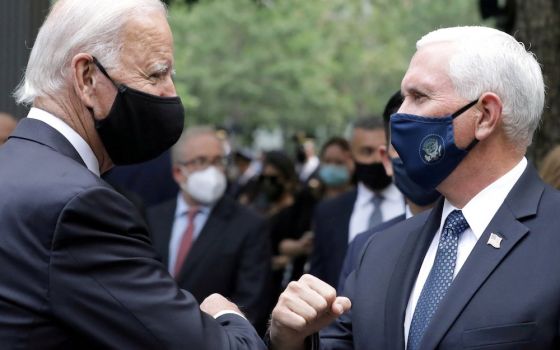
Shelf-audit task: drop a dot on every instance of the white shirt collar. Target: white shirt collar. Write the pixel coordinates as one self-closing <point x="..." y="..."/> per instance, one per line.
<point x="480" y="210"/>
<point x="182" y="207"/>
<point x="365" y="195"/>
<point x="79" y="144"/>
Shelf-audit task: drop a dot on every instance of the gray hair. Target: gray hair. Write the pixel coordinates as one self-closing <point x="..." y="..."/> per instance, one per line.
<point x="488" y="60"/>
<point x="177" y="151"/>
<point x="75" y="26"/>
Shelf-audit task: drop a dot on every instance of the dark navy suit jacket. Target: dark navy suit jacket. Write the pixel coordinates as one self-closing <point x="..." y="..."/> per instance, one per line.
<point x="356" y="247"/>
<point x="331" y="222"/>
<point x="231" y="255"/>
<point x="502" y="299"/>
<point x="77" y="269"/>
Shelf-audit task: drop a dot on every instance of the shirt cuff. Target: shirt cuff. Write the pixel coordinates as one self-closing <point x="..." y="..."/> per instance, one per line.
<point x="225" y="312"/>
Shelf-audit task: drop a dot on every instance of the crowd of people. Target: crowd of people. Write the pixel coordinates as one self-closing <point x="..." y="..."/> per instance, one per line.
<point x="122" y="228"/>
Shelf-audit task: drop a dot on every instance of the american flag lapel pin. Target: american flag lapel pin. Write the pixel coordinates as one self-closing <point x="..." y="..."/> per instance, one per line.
<point x="494" y="240"/>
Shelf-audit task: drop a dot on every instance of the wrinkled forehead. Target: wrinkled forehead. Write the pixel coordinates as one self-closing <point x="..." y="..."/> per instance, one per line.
<point x="147" y="37"/>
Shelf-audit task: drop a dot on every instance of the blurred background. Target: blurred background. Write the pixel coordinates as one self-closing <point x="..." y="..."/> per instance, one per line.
<point x="264" y="71"/>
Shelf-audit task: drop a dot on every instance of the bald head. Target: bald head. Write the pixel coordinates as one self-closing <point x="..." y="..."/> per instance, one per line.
<point x="7" y="125"/>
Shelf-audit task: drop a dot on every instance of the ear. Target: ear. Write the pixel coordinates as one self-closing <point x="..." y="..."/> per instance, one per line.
<point x="84" y="80"/>
<point x="490" y="118"/>
<point x="384" y="156"/>
<point x="177" y="174"/>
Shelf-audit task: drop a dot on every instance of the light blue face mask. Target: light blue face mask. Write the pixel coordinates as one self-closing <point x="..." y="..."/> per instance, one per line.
<point x="334" y="175"/>
<point x="427" y="146"/>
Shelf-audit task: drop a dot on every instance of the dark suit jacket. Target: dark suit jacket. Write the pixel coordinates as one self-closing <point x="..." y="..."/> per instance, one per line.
<point x="506" y="298"/>
<point x="231" y="255"/>
<point x="77" y="269"/>
<point x="356" y="247"/>
<point x="331" y="221"/>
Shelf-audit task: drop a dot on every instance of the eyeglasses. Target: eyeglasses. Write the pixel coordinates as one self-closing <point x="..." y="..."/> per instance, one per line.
<point x="205" y="162"/>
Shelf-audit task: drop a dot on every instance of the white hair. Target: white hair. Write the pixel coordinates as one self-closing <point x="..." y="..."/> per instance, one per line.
<point x="488" y="60"/>
<point x="75" y="26"/>
<point x="178" y="151"/>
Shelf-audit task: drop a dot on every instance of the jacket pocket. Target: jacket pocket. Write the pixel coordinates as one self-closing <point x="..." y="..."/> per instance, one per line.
<point x="511" y="333"/>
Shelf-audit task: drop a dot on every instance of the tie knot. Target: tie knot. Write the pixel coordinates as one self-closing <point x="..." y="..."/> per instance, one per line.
<point x="376" y="200"/>
<point x="191" y="213"/>
<point x="456" y="222"/>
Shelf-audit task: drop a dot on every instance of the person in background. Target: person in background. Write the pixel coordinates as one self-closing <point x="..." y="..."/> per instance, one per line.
<point x="209" y="243"/>
<point x="241" y="172"/>
<point x="77" y="268"/>
<point x="418" y="198"/>
<point x="310" y="162"/>
<point x="337" y="221"/>
<point x="337" y="168"/>
<point x="481" y="270"/>
<point x="278" y="196"/>
<point x="550" y="167"/>
<point x="7" y="124"/>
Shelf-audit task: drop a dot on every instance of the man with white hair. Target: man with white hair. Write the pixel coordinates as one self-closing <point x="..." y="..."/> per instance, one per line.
<point x="77" y="267"/>
<point x="481" y="270"/>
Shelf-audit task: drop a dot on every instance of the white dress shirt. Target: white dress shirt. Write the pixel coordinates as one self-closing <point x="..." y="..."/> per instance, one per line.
<point x="478" y="212"/>
<point x="79" y="144"/>
<point x="392" y="206"/>
<point x="180" y="224"/>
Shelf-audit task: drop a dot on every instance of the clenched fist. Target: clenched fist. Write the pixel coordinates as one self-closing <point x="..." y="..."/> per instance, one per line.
<point x="304" y="308"/>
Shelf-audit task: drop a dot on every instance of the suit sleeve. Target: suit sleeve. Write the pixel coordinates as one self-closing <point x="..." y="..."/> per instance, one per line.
<point x="348" y="266"/>
<point x="316" y="260"/>
<point x="253" y="276"/>
<point x="106" y="284"/>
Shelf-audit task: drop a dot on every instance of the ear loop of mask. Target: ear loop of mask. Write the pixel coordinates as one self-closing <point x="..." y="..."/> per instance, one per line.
<point x="461" y="111"/>
<point x="119" y="87"/>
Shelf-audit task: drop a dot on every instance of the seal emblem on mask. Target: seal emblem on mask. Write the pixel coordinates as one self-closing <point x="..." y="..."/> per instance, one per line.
<point x="432" y="149"/>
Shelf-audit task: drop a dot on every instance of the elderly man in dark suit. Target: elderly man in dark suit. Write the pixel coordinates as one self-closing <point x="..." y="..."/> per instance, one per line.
<point x="481" y="270"/>
<point x="77" y="267"/>
<point x="210" y="243"/>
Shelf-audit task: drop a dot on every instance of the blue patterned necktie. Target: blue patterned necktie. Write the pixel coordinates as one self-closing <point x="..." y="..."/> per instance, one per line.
<point x="440" y="277"/>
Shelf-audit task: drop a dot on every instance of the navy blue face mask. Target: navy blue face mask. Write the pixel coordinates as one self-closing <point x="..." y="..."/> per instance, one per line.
<point x="427" y="146"/>
<point x="415" y="193"/>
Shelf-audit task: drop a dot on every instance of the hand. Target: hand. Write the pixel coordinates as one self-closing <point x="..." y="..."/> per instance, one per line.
<point x="297" y="247"/>
<point x="216" y="303"/>
<point x="304" y="308"/>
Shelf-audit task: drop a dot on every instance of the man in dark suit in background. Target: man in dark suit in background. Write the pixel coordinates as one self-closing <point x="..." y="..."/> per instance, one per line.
<point x="417" y="197"/>
<point x="77" y="269"/>
<point x="376" y="199"/>
<point x="210" y="243"/>
<point x="480" y="270"/>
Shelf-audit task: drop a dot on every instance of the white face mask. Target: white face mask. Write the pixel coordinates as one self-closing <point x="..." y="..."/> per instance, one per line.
<point x="205" y="186"/>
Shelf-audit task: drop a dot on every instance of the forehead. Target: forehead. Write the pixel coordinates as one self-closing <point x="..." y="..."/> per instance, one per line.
<point x="368" y="137"/>
<point x="334" y="150"/>
<point x="147" y="40"/>
<point x="428" y="71"/>
<point x="204" y="145"/>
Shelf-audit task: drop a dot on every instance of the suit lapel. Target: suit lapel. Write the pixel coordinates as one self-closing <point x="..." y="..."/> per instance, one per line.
<point x="404" y="277"/>
<point x="213" y="229"/>
<point x="162" y="229"/>
<point x="40" y="132"/>
<point x="484" y="259"/>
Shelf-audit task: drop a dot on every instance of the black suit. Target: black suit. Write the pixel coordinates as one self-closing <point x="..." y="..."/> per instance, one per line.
<point x="231" y="255"/>
<point x="331" y="222"/>
<point x="77" y="269"/>
<point x="501" y="299"/>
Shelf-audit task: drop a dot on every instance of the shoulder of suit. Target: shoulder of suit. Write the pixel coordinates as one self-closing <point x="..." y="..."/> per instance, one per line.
<point x="344" y="199"/>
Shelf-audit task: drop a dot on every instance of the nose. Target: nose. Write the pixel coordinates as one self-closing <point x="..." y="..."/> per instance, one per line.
<point x="168" y="88"/>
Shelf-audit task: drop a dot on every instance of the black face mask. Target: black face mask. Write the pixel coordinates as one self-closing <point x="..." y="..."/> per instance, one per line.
<point x="372" y="175"/>
<point x="139" y="126"/>
<point x="272" y="188"/>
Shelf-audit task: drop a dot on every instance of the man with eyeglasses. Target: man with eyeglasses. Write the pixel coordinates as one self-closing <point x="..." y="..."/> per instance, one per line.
<point x="209" y="243"/>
